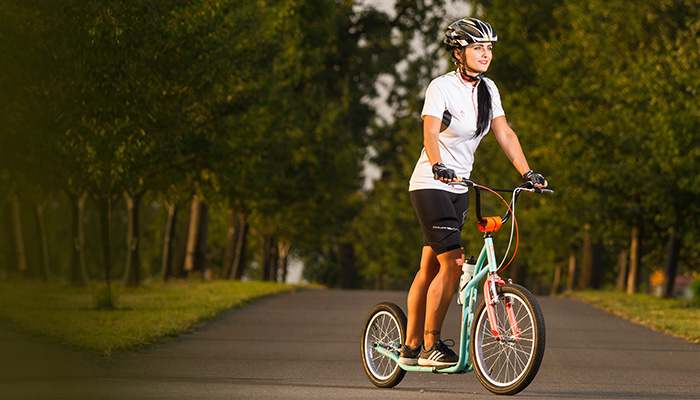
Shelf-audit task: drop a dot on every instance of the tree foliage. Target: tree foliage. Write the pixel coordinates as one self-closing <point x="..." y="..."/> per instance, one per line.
<point x="262" y="107"/>
<point x="601" y="96"/>
<point x="600" y="113"/>
<point x="269" y="110"/>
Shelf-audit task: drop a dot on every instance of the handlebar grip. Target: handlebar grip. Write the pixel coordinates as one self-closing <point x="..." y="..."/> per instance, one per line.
<point x="539" y="190"/>
<point x="528" y="186"/>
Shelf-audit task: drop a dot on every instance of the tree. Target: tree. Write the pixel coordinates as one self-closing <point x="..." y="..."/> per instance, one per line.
<point x="596" y="121"/>
<point x="386" y="229"/>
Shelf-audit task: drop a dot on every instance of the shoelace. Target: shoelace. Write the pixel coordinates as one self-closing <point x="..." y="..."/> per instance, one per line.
<point x="442" y="346"/>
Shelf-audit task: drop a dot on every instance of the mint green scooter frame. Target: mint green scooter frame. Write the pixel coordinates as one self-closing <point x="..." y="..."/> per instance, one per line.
<point x="468" y="309"/>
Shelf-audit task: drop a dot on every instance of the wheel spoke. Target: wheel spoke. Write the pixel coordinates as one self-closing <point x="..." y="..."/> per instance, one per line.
<point x="502" y="361"/>
<point x="383" y="330"/>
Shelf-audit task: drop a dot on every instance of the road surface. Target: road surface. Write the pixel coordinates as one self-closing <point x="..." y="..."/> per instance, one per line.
<point x="306" y="345"/>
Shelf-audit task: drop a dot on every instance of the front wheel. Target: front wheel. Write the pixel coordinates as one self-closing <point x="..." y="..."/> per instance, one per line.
<point x="507" y="363"/>
<point x="385" y="325"/>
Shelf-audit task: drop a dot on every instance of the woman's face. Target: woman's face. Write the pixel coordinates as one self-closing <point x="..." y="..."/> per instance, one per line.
<point x="477" y="56"/>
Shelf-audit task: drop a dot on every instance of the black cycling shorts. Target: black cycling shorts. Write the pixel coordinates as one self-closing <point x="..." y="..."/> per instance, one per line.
<point x="441" y="215"/>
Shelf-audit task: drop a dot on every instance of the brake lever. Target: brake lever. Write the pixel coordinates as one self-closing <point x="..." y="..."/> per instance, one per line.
<point x="464" y="182"/>
<point x="529" y="187"/>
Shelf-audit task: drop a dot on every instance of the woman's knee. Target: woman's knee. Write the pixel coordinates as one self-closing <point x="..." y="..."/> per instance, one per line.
<point x="429" y="264"/>
<point x="452" y="261"/>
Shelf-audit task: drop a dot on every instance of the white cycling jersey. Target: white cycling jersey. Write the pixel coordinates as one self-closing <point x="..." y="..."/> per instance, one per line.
<point x="454" y="101"/>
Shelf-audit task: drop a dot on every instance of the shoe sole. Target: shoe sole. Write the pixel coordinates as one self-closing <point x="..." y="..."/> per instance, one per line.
<point x="429" y="363"/>
<point x="408" y="361"/>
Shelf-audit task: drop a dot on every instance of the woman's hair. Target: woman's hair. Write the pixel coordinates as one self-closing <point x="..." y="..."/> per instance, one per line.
<point x="483" y="101"/>
<point x="451" y="49"/>
<point x="459" y="34"/>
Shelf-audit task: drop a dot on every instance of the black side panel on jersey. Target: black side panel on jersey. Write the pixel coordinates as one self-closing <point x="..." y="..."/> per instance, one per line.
<point x="446" y="119"/>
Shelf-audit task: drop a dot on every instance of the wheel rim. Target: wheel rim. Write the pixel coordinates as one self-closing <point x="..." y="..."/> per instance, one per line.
<point x="504" y="362"/>
<point x="382" y="328"/>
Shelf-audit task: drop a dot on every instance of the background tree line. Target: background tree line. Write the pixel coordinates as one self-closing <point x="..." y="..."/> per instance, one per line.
<point x="219" y="139"/>
<point x="189" y="137"/>
<point x="602" y="96"/>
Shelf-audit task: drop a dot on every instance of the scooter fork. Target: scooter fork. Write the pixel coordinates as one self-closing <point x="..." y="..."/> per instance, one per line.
<point x="491" y="295"/>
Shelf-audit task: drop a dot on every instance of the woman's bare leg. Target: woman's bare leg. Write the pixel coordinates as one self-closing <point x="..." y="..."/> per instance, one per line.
<point x="429" y="267"/>
<point x="440" y="293"/>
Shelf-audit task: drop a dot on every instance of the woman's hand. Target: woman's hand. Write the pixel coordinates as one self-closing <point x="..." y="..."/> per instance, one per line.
<point x="536" y="179"/>
<point x="444" y="174"/>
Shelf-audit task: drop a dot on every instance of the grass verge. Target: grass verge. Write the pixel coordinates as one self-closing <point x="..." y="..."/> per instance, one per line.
<point x="672" y="316"/>
<point x="144" y="315"/>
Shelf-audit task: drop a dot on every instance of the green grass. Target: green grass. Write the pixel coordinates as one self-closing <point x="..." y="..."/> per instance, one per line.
<point x="674" y="317"/>
<point x="144" y="315"/>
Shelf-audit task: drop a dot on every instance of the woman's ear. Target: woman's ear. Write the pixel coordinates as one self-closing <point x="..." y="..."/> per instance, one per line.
<point x="457" y="54"/>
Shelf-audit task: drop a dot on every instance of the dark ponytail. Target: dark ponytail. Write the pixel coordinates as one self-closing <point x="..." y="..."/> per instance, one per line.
<point x="483" y="99"/>
<point x="483" y="109"/>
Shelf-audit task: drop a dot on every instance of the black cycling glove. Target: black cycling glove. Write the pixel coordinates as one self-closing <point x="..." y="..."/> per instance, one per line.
<point x="534" y="178"/>
<point x="440" y="171"/>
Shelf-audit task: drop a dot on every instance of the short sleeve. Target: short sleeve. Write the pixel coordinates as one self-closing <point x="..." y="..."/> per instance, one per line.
<point x="435" y="103"/>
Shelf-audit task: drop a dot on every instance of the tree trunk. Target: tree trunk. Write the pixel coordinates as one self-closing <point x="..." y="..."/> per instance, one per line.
<point x="622" y="264"/>
<point x="177" y="265"/>
<point x="165" y="266"/>
<point x="518" y="273"/>
<point x="596" y="277"/>
<point x="557" y="279"/>
<point x="132" y="270"/>
<point x="586" y="271"/>
<point x="673" y="249"/>
<point x="283" y="254"/>
<point x="200" y="259"/>
<point x="43" y="240"/>
<point x="192" y="235"/>
<point x="635" y="260"/>
<point x="536" y="284"/>
<point x="79" y="276"/>
<point x="129" y="237"/>
<point x="105" y="209"/>
<point x="268" y="241"/>
<point x="571" y="280"/>
<point x="239" y="257"/>
<point x="590" y="264"/>
<point x="18" y="232"/>
<point x="274" y="263"/>
<point x="230" y="248"/>
<point x="5" y="241"/>
<point x="379" y="281"/>
<point x="346" y="255"/>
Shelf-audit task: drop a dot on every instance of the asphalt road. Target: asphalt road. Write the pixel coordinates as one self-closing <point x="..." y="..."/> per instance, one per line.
<point x="306" y="345"/>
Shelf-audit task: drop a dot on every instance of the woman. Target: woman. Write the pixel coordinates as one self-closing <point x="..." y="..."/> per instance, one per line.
<point x="460" y="108"/>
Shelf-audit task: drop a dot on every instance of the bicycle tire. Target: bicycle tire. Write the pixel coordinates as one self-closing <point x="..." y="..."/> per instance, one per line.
<point x="385" y="323"/>
<point x="509" y="365"/>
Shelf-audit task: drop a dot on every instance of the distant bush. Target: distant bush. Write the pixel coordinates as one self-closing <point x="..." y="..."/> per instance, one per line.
<point x="695" y="289"/>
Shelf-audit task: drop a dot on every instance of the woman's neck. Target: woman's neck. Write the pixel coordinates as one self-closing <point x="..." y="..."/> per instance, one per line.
<point x="468" y="78"/>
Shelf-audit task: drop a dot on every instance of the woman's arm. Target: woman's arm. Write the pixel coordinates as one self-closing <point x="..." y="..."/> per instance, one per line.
<point x="431" y="131"/>
<point x="510" y="144"/>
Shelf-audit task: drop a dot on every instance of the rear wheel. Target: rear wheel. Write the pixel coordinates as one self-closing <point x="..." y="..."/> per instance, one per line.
<point x="507" y="363"/>
<point x="386" y="325"/>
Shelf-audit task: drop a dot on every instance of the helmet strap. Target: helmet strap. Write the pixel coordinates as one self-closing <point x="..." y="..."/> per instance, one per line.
<point x="463" y="69"/>
<point x="469" y="78"/>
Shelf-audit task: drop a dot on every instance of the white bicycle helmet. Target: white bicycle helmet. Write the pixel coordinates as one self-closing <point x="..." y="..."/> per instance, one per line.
<point x="469" y="30"/>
